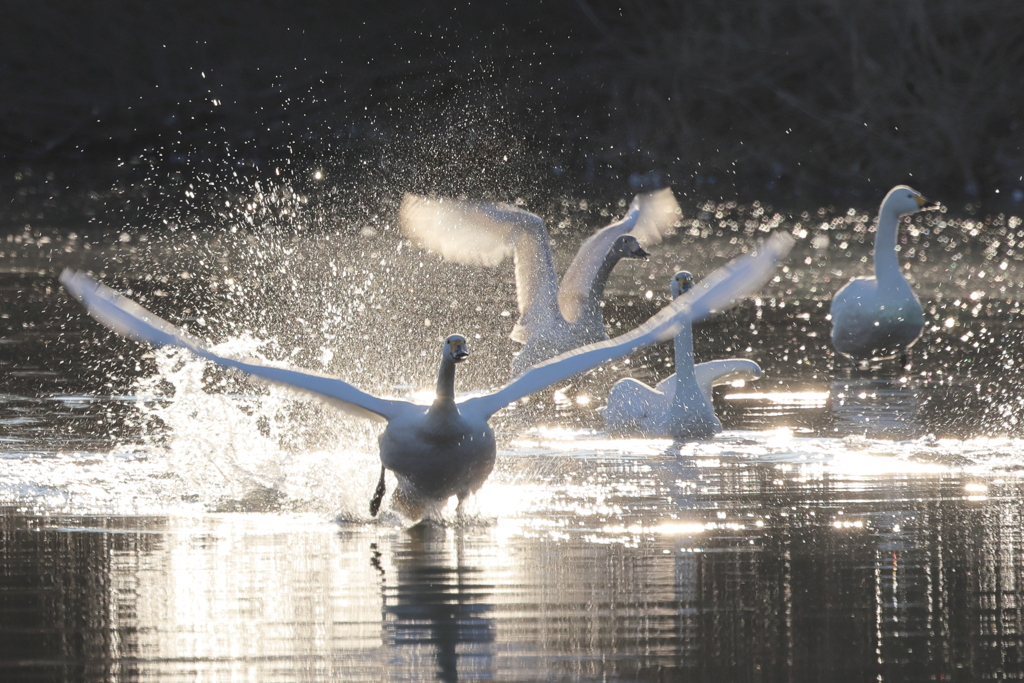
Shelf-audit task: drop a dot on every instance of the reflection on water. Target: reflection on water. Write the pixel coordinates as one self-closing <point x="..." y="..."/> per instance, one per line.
<point x="775" y="575"/>
<point x="438" y="608"/>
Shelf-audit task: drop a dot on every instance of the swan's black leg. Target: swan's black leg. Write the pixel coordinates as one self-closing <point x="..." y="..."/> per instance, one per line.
<point x="378" y="494"/>
<point x="905" y="360"/>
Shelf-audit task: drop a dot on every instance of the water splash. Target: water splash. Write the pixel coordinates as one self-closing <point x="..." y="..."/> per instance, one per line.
<point x="258" y="448"/>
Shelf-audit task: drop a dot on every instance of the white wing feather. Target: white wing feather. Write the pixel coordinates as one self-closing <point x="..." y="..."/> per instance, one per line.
<point x="483" y="234"/>
<point x="715" y="293"/>
<point x="471" y="233"/>
<point x="659" y="216"/>
<point x="131" y="320"/>
<point x="650" y="218"/>
<point x="715" y="373"/>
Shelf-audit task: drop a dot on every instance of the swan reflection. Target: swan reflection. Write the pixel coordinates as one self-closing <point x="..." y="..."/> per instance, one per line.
<point x="435" y="607"/>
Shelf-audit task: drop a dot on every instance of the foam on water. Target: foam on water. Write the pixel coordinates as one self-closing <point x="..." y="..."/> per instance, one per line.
<point x="265" y="447"/>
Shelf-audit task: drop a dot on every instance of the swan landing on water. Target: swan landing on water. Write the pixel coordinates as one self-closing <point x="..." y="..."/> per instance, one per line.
<point x="876" y="318"/>
<point x="680" y="406"/>
<point x="553" y="318"/>
<point x="446" y="448"/>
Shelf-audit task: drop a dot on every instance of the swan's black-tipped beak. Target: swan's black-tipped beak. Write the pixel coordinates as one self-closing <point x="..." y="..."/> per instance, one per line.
<point x="927" y="204"/>
<point x="456" y="348"/>
<point x="641" y="253"/>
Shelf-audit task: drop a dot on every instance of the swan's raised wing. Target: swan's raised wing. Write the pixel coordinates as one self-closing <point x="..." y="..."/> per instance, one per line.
<point x="483" y="234"/>
<point x="650" y="218"/>
<point x="715" y="373"/>
<point x="471" y="233"/>
<point x="715" y="293"/>
<point x="131" y="320"/>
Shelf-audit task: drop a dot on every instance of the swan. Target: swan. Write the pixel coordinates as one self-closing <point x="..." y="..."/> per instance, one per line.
<point x="446" y="448"/>
<point x="553" y="318"/>
<point x="876" y="318"/>
<point x="680" y="405"/>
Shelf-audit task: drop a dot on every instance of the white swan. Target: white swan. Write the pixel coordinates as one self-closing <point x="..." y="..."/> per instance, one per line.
<point x="447" y="448"/>
<point x="553" y="319"/>
<point x="680" y="405"/>
<point x="874" y="318"/>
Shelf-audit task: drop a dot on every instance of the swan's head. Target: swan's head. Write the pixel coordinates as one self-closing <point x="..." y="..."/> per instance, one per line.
<point x="682" y="282"/>
<point x="902" y="200"/>
<point x="455" y="348"/>
<point x="627" y="246"/>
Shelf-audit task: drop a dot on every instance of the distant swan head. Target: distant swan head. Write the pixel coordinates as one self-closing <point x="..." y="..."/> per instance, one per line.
<point x="627" y="246"/>
<point x="902" y="200"/>
<point x="682" y="282"/>
<point x="455" y="348"/>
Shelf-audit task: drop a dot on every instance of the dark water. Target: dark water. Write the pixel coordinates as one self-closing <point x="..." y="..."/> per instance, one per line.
<point x="163" y="521"/>
<point x="924" y="583"/>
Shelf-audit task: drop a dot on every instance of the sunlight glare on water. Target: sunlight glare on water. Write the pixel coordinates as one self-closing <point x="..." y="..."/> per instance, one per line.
<point x="196" y="524"/>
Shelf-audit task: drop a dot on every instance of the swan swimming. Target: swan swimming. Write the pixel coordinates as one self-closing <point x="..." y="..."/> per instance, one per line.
<point x="446" y="448"/>
<point x="876" y="318"/>
<point x="680" y="406"/>
<point x="553" y="318"/>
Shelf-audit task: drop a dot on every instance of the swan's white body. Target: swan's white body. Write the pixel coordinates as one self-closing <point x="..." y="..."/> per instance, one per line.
<point x="874" y="318"/>
<point x="553" y="318"/>
<point x="446" y="448"/>
<point x="680" y="406"/>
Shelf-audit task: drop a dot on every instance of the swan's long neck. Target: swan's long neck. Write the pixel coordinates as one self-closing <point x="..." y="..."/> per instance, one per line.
<point x="887" y="265"/>
<point x="596" y="292"/>
<point x="445" y="396"/>
<point x="686" y="380"/>
<point x="590" y="310"/>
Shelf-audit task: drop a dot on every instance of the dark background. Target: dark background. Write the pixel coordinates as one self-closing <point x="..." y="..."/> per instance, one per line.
<point x="108" y="102"/>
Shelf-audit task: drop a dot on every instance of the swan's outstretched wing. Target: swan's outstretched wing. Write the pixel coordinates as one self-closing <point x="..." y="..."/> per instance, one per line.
<point x="631" y="401"/>
<point x="715" y="293"/>
<point x="715" y="373"/>
<point x="650" y="218"/>
<point x="482" y="234"/>
<point x="131" y="320"/>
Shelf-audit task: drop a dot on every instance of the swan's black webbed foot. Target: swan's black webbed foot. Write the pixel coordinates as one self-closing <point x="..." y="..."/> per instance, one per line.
<point x="378" y="494"/>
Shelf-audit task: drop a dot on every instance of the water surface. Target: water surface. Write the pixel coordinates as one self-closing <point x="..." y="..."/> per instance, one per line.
<point x="163" y="520"/>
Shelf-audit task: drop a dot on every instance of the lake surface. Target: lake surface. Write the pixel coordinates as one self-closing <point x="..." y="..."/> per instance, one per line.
<point x="162" y="520"/>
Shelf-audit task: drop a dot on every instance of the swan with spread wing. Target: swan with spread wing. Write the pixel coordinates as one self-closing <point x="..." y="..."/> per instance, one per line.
<point x="679" y="407"/>
<point x="553" y="318"/>
<point x="446" y="448"/>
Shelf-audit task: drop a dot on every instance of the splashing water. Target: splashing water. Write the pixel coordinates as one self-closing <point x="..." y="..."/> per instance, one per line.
<point x="262" y="448"/>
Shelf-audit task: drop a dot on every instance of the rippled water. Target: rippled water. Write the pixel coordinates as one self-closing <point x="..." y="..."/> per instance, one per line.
<point x="162" y="520"/>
